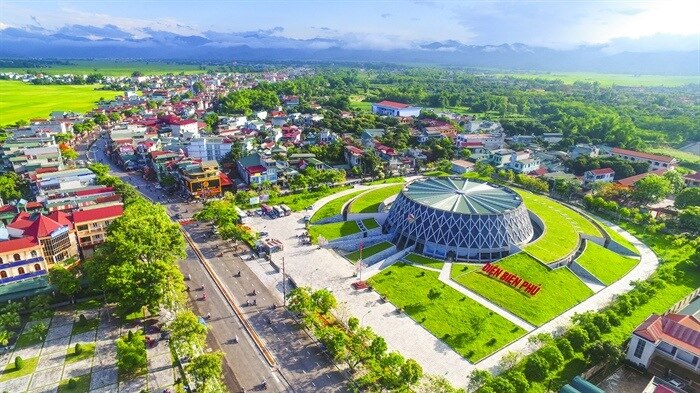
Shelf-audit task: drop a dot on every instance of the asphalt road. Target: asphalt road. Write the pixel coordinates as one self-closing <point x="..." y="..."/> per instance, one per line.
<point x="302" y="365"/>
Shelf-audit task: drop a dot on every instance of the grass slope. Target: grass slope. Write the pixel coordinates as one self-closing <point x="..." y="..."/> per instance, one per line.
<point x="302" y="200"/>
<point x="370" y="223"/>
<point x="619" y="239"/>
<point x="23" y="101"/>
<point x="425" y="261"/>
<point x="369" y="202"/>
<point x="334" y="230"/>
<point x="333" y="207"/>
<point x="561" y="289"/>
<point x="606" y="265"/>
<point x="466" y="326"/>
<point x="368" y="251"/>
<point x="562" y="226"/>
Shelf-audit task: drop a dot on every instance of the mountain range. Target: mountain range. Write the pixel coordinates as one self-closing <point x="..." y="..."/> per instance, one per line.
<point x="111" y="42"/>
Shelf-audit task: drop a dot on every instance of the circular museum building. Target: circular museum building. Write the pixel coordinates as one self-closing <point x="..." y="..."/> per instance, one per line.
<point x="459" y="219"/>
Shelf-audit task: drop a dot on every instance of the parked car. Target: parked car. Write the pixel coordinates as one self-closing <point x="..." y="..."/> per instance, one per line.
<point x="307" y="218"/>
<point x="263" y="234"/>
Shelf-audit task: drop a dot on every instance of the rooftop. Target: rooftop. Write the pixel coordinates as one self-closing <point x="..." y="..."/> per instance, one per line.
<point x="462" y="196"/>
<point x="647" y="156"/>
<point x="682" y="331"/>
<point x="392" y="104"/>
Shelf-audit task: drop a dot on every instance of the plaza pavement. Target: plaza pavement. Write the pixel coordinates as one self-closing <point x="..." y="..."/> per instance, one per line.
<point x="51" y="368"/>
<point x="323" y="268"/>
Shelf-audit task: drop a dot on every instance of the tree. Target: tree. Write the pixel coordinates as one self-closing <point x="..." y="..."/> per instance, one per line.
<point x="477" y="379"/>
<point x="206" y="370"/>
<point x="9" y="316"/>
<point x="64" y="280"/>
<point x="101" y="119"/>
<point x="324" y="300"/>
<point x="484" y="169"/>
<point x="565" y="347"/>
<point x="67" y="152"/>
<point x="536" y="368"/>
<point x="299" y="300"/>
<point x="434" y="294"/>
<point x="577" y="337"/>
<point x="135" y="266"/>
<point x="370" y="163"/>
<point x="198" y="87"/>
<point x="131" y="353"/>
<point x="12" y="187"/>
<point x="519" y="381"/>
<point x="676" y="181"/>
<point x="690" y="218"/>
<point x="501" y="385"/>
<point x="687" y="198"/>
<point x="436" y="384"/>
<point x="187" y="334"/>
<point x="100" y="170"/>
<point x="651" y="189"/>
<point x="553" y="356"/>
<point x="604" y="351"/>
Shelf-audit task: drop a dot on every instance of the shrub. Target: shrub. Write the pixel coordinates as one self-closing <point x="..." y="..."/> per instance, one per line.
<point x="613" y="318"/>
<point x="519" y="381"/>
<point x="577" y="337"/>
<point x="502" y="385"/>
<point x="82" y="321"/>
<point x="72" y="383"/>
<point x="19" y="363"/>
<point x="565" y="348"/>
<point x="536" y="368"/>
<point x="601" y="321"/>
<point x="78" y="349"/>
<point x="553" y="356"/>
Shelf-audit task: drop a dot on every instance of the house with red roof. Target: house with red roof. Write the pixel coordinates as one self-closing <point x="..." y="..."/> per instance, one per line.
<point x="632" y="180"/>
<point x="655" y="161"/>
<point x="91" y="225"/>
<point x="395" y="109"/>
<point x="353" y="155"/>
<point x="692" y="179"/>
<point x="602" y="175"/>
<point x="669" y="345"/>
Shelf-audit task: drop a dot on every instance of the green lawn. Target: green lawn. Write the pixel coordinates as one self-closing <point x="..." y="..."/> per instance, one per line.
<point x="87" y="352"/>
<point x="464" y="268"/>
<point x="88" y="325"/>
<point x="370" y="223"/>
<point x="11" y="373"/>
<point x="388" y="180"/>
<point x="23" y="101"/>
<point x="466" y="326"/>
<point x="610" y="79"/>
<point x="368" y="251"/>
<point x="423" y="260"/>
<point x="360" y="105"/>
<point x="333" y="207"/>
<point x="82" y="385"/>
<point x="619" y="239"/>
<point x="606" y="265"/>
<point x="26" y="340"/>
<point x="561" y="289"/>
<point x="562" y="226"/>
<point x="115" y="68"/>
<point x="333" y="230"/>
<point x="302" y="200"/>
<point x="369" y="202"/>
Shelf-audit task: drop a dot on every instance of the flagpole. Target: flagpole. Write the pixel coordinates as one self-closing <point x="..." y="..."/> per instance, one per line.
<point x="284" y="285"/>
<point x="360" y="261"/>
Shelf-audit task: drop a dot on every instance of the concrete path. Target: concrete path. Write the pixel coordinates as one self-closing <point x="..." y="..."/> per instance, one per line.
<point x="445" y="277"/>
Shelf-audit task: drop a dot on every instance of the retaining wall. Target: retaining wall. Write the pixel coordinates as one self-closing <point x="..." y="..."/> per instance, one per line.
<point x="386" y="262"/>
<point x="352" y="244"/>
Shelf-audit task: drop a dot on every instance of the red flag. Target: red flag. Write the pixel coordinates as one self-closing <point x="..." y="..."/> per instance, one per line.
<point x="360" y="247"/>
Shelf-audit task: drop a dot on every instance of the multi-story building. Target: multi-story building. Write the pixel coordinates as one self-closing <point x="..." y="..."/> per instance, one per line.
<point x="254" y="169"/>
<point x="20" y="259"/>
<point x="605" y="175"/>
<point x="655" y="161"/>
<point x="200" y="179"/>
<point x="55" y="238"/>
<point x="33" y="158"/>
<point x="395" y="109"/>
<point x="209" y="148"/>
<point x="91" y="225"/>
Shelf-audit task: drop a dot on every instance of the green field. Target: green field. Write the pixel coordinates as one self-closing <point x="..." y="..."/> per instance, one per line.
<point x="370" y="201"/>
<point x="333" y="230"/>
<point x="425" y="261"/>
<point x="370" y="223"/>
<point x="302" y="200"/>
<point x="466" y="326"/>
<point x="114" y="68"/>
<point x="561" y="289"/>
<point x="333" y="207"/>
<point x="562" y="226"/>
<point x="606" y="265"/>
<point x="23" y="101"/>
<point x="687" y="159"/>
<point x="368" y="251"/>
<point x="610" y="79"/>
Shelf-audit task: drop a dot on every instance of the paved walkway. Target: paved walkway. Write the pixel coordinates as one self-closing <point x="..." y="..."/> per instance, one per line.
<point x="322" y="268"/>
<point x="445" y="277"/>
<point x="52" y="367"/>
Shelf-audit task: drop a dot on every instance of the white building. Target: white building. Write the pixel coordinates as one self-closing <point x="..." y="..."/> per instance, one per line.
<point x="483" y="126"/>
<point x="185" y="128"/>
<point x="209" y="149"/>
<point x="395" y="109"/>
<point x="606" y="175"/>
<point x="655" y="161"/>
<point x="492" y="141"/>
<point x="664" y="342"/>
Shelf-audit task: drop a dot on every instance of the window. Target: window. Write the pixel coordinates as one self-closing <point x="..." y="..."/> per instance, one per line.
<point x="1" y="261"/>
<point x="17" y="257"/>
<point x="37" y="267"/>
<point x="82" y="227"/>
<point x="34" y="254"/>
<point x="639" y="349"/>
<point x="20" y="270"/>
<point x="3" y="274"/>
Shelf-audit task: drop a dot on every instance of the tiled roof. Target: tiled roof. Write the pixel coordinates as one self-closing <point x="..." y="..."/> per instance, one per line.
<point x="629" y="181"/>
<point x="100" y="213"/>
<point x="601" y="171"/>
<point x="61" y="218"/>
<point x="354" y="150"/>
<point x="693" y="176"/>
<point x="682" y="331"/>
<point x="255" y="169"/>
<point x="392" y="104"/>
<point x="22" y="243"/>
<point x="646" y="156"/>
<point x="42" y="227"/>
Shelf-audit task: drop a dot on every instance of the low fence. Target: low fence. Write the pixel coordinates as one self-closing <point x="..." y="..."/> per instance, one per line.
<point x="684" y="303"/>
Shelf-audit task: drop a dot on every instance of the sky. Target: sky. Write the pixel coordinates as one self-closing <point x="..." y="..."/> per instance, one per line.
<point x="379" y="24"/>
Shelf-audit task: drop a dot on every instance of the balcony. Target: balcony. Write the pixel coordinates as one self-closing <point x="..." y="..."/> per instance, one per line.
<point x="21" y="262"/>
<point x="22" y="277"/>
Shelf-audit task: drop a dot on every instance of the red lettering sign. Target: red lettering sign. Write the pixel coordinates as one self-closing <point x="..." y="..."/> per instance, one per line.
<point x="511" y="279"/>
